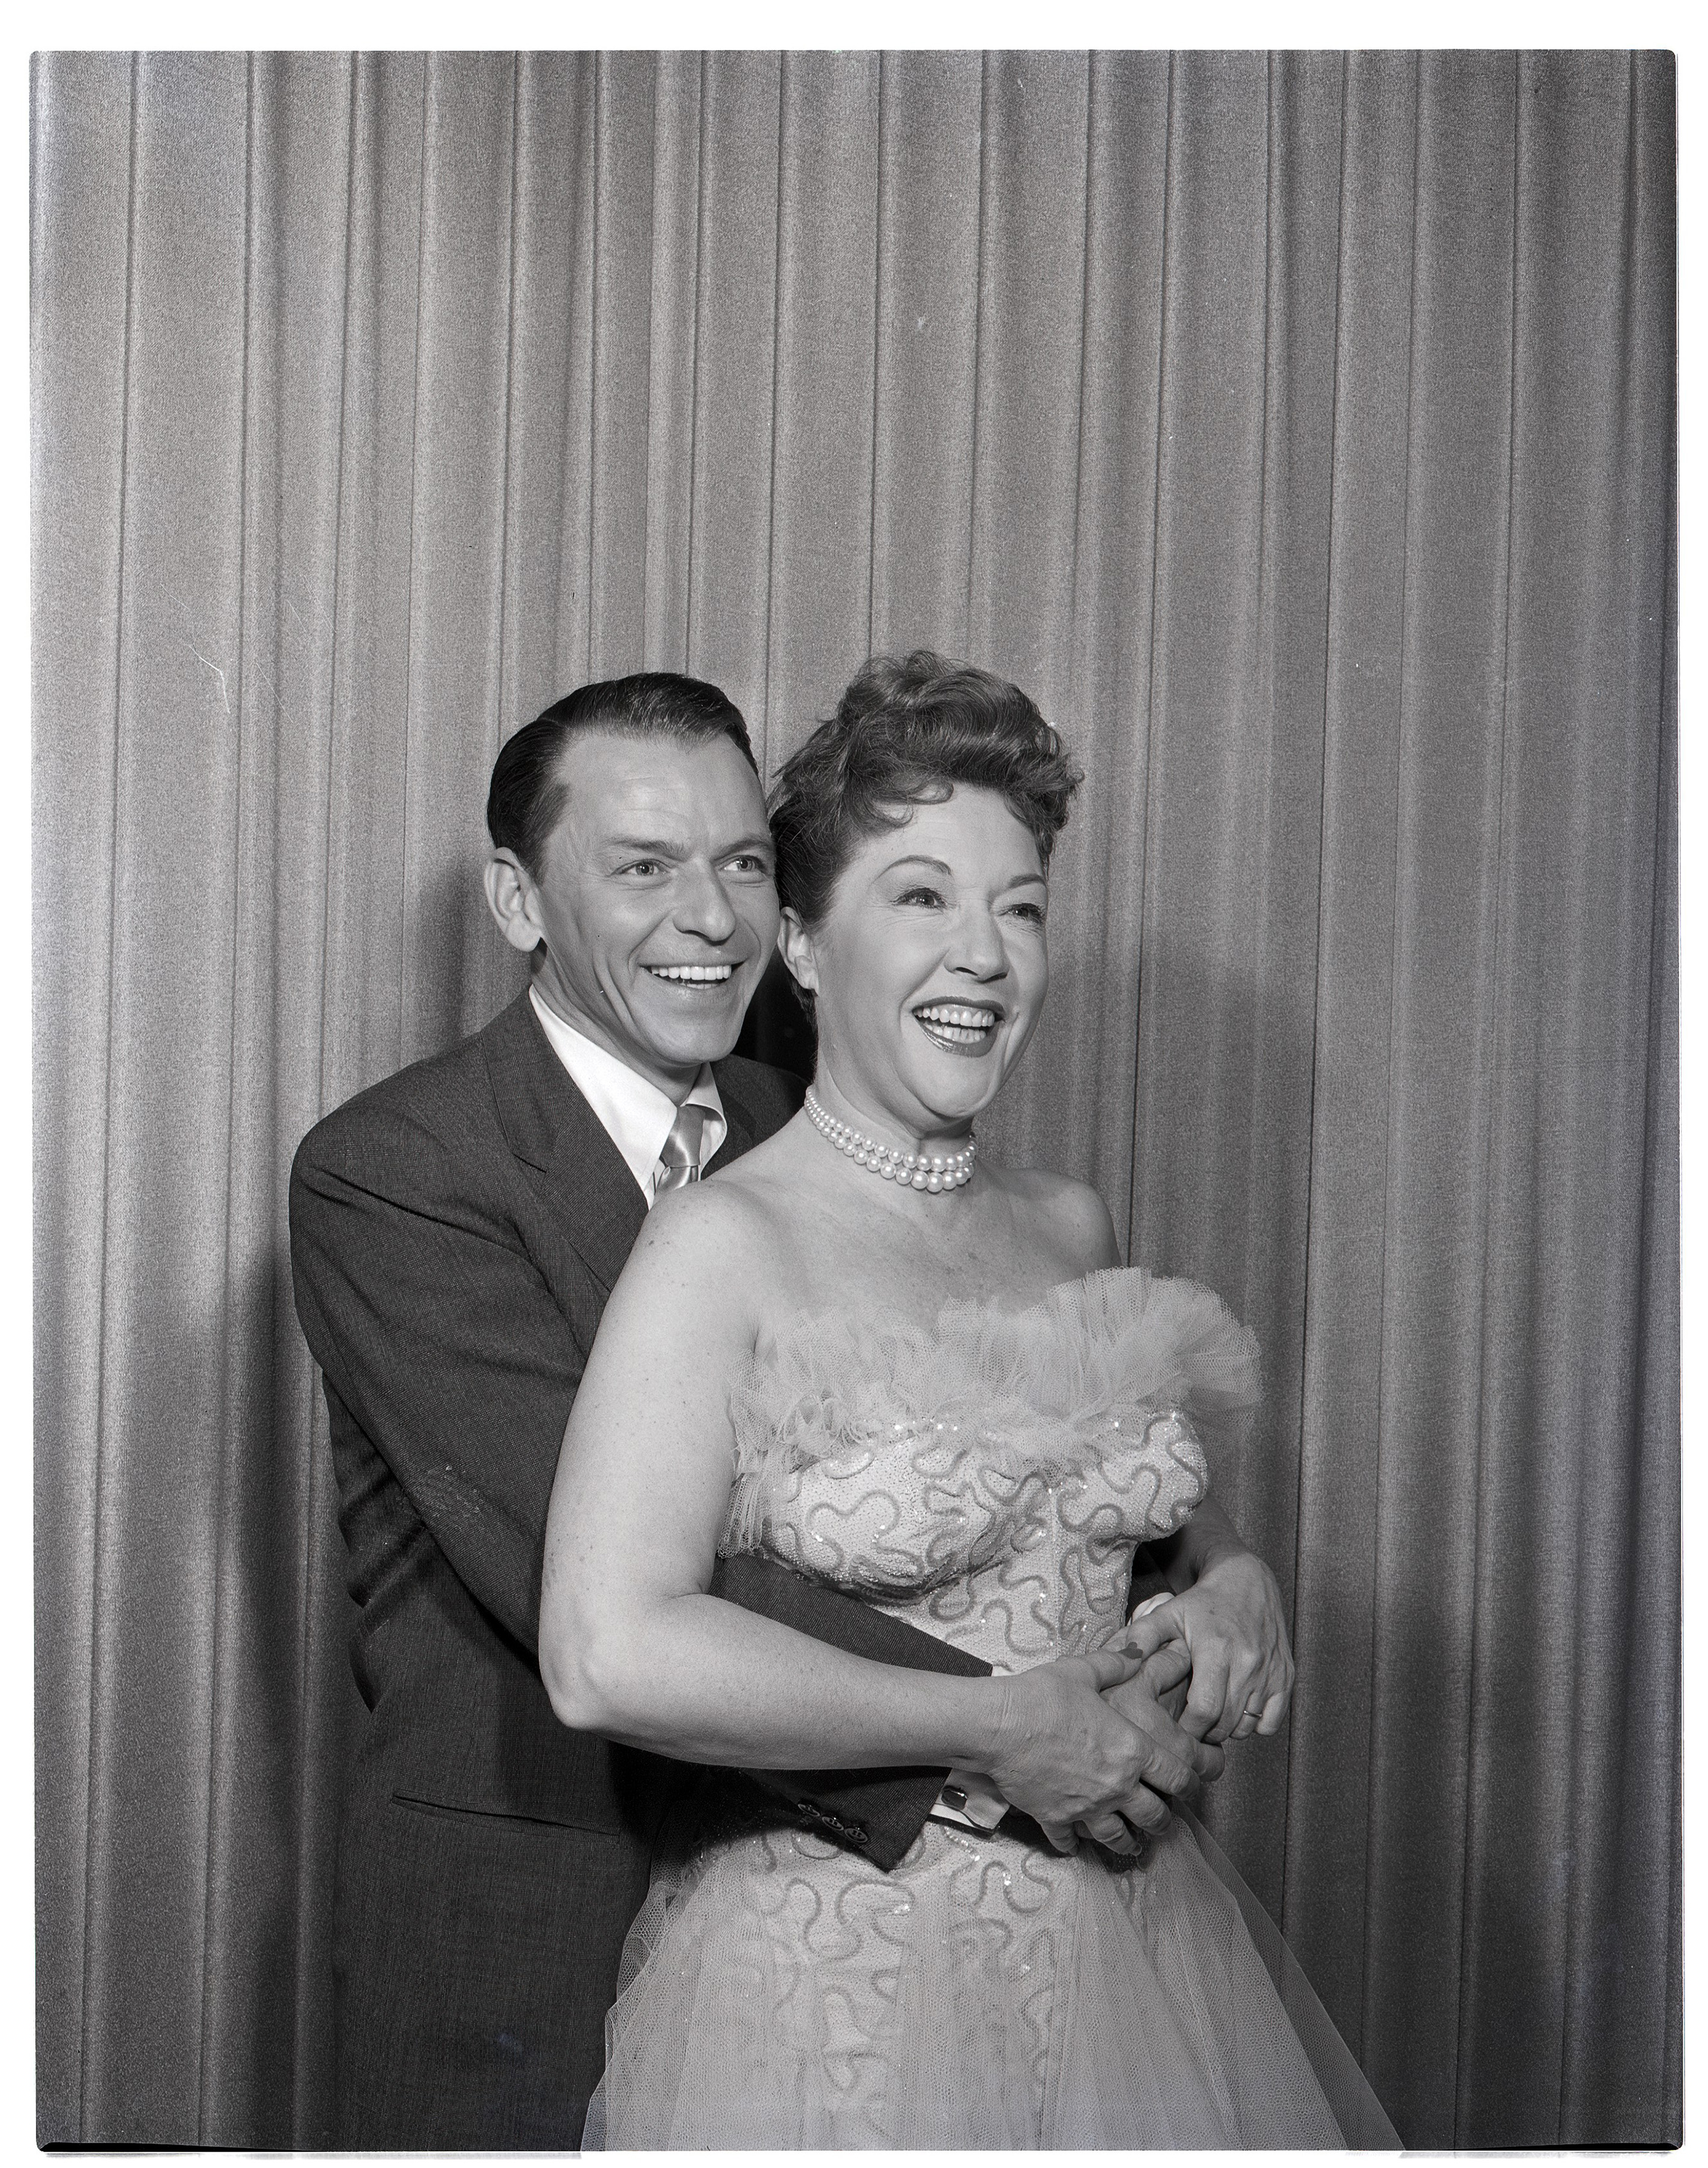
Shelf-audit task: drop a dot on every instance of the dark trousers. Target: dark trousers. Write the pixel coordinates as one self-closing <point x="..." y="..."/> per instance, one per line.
<point x="474" y="1956"/>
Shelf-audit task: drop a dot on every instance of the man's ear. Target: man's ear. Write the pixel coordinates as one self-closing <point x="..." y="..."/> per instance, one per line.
<point x="510" y="899"/>
<point x="794" y="945"/>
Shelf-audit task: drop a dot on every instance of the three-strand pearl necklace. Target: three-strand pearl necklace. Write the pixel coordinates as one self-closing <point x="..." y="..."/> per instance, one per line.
<point x="933" y="1171"/>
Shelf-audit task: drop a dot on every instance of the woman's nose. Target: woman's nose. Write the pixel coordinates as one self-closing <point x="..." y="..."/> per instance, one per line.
<point x="978" y="947"/>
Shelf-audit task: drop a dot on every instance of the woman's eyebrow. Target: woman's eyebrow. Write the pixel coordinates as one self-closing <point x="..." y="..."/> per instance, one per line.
<point x="913" y="859"/>
<point x="941" y="866"/>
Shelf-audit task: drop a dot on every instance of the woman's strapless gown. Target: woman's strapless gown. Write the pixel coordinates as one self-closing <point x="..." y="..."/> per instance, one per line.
<point x="986" y="1478"/>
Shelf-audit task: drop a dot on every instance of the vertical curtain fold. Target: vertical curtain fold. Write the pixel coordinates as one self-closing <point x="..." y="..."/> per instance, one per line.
<point x="1299" y="430"/>
<point x="1451" y="725"/>
<point x="1335" y="1601"/>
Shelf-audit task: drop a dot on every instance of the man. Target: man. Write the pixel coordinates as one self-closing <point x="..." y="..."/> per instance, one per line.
<point x="456" y="1232"/>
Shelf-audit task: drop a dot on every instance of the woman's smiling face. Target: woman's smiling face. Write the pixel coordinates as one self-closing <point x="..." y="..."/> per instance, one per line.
<point x="930" y="965"/>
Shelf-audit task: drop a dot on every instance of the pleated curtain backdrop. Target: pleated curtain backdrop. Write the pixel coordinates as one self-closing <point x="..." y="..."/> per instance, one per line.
<point x="1299" y="431"/>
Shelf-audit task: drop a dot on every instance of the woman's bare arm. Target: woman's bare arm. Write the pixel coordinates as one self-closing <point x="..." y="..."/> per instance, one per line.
<point x="630" y="1644"/>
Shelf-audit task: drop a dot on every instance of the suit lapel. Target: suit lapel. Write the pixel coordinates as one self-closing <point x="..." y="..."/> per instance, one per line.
<point x="550" y="1126"/>
<point x="737" y="1120"/>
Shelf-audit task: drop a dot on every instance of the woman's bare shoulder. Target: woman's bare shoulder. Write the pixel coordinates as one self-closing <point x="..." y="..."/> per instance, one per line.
<point x="696" y="1286"/>
<point x="727" y="1219"/>
<point x="731" y="1234"/>
<point x="1070" y="1214"/>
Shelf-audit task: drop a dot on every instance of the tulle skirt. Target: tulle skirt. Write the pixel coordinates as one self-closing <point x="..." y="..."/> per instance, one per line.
<point x="778" y="1994"/>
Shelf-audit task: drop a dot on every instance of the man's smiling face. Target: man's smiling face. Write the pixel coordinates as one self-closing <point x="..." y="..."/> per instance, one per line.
<point x="656" y="900"/>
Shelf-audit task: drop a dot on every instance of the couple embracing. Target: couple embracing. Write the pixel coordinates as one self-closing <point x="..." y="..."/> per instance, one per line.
<point x="743" y="1494"/>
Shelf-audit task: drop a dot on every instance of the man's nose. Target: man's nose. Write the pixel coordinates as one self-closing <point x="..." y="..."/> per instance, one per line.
<point x="704" y="908"/>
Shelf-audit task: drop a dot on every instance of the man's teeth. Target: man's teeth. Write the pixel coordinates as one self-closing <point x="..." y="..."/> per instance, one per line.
<point x="692" y="975"/>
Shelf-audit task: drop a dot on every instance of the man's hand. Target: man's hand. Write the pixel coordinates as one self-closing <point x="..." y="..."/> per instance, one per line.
<point x="1230" y="1621"/>
<point x="1063" y="1755"/>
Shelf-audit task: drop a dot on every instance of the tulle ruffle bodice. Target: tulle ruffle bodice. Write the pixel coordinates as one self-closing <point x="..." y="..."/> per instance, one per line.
<point x="988" y="1475"/>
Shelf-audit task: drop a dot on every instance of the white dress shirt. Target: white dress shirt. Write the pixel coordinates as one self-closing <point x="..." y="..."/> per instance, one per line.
<point x="635" y="1114"/>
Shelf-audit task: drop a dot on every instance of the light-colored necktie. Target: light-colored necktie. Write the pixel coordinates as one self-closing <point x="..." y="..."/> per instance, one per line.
<point x="681" y="1153"/>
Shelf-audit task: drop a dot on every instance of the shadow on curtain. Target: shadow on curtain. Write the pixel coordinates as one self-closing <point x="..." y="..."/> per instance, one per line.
<point x="1300" y="432"/>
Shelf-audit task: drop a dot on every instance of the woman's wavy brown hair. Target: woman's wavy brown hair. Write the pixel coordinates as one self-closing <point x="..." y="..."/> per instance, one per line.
<point x="906" y="733"/>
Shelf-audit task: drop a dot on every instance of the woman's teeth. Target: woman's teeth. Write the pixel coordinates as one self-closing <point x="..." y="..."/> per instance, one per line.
<point x="956" y="1024"/>
<point x="692" y="974"/>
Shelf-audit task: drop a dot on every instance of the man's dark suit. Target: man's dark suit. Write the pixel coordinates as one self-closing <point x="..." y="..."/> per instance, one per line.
<point x="456" y="1232"/>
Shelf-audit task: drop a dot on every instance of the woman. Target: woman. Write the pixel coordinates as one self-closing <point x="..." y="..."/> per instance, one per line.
<point x="869" y="1352"/>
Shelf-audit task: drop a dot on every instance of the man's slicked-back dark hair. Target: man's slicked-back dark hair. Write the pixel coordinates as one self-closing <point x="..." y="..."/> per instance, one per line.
<point x="526" y="797"/>
<point x="905" y="734"/>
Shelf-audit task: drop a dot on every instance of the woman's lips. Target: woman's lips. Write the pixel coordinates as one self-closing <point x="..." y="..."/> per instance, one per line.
<point x="959" y="1027"/>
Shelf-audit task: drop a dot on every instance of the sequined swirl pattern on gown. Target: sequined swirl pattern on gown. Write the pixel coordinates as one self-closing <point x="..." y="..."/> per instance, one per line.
<point x="987" y="1477"/>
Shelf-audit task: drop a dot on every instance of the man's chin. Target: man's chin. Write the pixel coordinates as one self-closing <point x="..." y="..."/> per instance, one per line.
<point x="688" y="1042"/>
<point x="678" y="1055"/>
<point x="685" y="1025"/>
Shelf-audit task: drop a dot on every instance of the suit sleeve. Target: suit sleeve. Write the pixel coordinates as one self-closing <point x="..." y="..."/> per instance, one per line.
<point x="876" y="1811"/>
<point x="443" y="1339"/>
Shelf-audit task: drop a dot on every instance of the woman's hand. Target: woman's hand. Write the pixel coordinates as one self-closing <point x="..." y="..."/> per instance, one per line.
<point x="1230" y="1621"/>
<point x="1151" y="1700"/>
<point x="1116" y="1768"/>
<point x="1169" y="1675"/>
<point x="1169" y="1668"/>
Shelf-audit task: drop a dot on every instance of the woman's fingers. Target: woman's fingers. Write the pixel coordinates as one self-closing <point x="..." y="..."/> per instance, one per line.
<point x="1113" y="1834"/>
<point x="1148" y="1631"/>
<point x="1110" y="1667"/>
<point x="1170" y="1666"/>
<point x="1145" y="1810"/>
<point x="1064" y="1747"/>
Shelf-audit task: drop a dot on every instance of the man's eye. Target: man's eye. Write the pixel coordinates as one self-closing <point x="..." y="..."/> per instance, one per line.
<point x="644" y="867"/>
<point x="749" y="861"/>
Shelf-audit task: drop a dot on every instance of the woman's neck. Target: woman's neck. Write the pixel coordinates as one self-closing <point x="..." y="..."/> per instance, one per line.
<point x="883" y="1126"/>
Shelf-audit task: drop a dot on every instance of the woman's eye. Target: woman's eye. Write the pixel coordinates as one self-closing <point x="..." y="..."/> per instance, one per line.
<point x="927" y="897"/>
<point x="1033" y="912"/>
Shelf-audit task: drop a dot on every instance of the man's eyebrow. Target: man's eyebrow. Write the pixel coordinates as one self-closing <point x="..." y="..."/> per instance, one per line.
<point x="658" y="846"/>
<point x="663" y="846"/>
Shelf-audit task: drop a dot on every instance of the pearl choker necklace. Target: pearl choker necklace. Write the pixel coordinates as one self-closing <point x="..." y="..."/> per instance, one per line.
<point x="934" y="1171"/>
